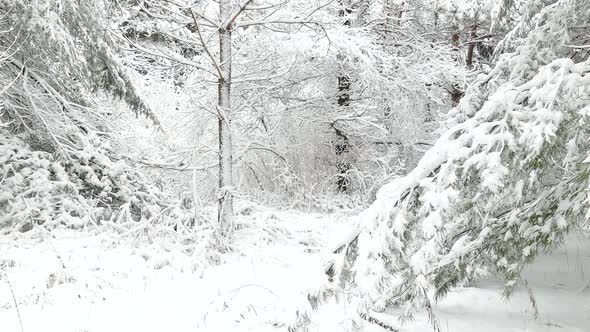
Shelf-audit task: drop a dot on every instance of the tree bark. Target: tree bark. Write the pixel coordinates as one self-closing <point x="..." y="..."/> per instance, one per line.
<point x="455" y="92"/>
<point x="225" y="199"/>
<point x="471" y="47"/>
<point x="342" y="146"/>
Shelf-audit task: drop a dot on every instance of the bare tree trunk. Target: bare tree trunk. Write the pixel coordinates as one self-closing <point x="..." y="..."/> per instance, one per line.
<point x="342" y="146"/>
<point x="455" y="91"/>
<point x="225" y="200"/>
<point x="471" y="47"/>
<point x="436" y="19"/>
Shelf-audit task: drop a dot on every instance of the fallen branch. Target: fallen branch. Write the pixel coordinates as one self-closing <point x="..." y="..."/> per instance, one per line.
<point x="377" y="322"/>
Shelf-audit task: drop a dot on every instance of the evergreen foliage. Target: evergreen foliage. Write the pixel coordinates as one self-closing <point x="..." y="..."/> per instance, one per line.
<point x="57" y="166"/>
<point x="507" y="179"/>
<point x="87" y="190"/>
<point x="55" y="53"/>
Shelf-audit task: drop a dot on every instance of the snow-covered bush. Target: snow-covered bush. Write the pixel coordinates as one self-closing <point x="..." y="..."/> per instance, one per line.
<point x="57" y="166"/>
<point x="87" y="189"/>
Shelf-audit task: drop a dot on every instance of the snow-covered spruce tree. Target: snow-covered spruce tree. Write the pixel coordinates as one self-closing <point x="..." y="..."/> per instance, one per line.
<point x="56" y="164"/>
<point x="62" y="49"/>
<point x="508" y="177"/>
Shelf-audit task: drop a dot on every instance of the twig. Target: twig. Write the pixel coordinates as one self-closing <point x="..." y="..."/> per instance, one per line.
<point x="231" y="20"/>
<point x="15" y="305"/>
<point x="532" y="299"/>
<point x="377" y="322"/>
<point x="46" y="231"/>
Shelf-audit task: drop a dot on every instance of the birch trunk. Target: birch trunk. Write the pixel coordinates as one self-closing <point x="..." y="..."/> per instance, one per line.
<point x="225" y="200"/>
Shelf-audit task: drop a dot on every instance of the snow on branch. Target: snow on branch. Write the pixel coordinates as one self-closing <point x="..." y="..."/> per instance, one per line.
<point x="508" y="178"/>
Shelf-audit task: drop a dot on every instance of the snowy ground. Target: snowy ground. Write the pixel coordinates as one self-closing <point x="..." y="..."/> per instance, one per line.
<point x="102" y="281"/>
<point x="559" y="283"/>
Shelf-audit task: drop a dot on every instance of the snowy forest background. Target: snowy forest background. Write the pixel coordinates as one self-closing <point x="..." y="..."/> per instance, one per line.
<point x="294" y="165"/>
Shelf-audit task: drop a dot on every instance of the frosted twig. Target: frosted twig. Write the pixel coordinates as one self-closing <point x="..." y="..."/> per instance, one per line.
<point x="15" y="305"/>
<point x="377" y="322"/>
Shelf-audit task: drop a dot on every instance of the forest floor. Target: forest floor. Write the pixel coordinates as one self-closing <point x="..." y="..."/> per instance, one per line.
<point x="108" y="281"/>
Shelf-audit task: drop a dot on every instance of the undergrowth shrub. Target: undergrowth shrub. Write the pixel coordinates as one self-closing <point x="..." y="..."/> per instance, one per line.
<point x="87" y="187"/>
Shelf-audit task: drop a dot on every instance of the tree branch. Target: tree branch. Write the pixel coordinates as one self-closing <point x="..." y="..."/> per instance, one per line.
<point x="164" y="55"/>
<point x="232" y="19"/>
<point x="577" y="46"/>
<point x="205" y="45"/>
<point x="210" y="20"/>
<point x="284" y="21"/>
